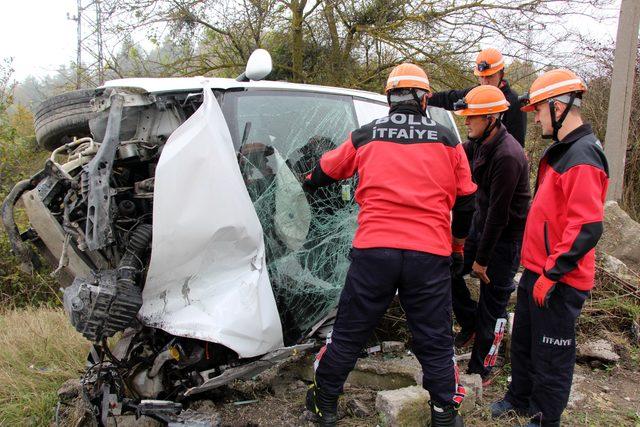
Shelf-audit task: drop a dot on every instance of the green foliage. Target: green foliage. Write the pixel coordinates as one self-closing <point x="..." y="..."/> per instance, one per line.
<point x="19" y="289"/>
<point x="19" y="159"/>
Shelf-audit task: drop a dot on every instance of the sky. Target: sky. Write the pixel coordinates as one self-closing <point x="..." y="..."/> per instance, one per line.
<point x="40" y="37"/>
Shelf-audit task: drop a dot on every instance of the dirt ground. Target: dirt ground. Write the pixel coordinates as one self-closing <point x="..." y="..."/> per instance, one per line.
<point x="602" y="396"/>
<point x="605" y="396"/>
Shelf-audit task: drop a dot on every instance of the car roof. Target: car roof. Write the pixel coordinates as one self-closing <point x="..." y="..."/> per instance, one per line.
<point x="180" y="84"/>
<point x="185" y="84"/>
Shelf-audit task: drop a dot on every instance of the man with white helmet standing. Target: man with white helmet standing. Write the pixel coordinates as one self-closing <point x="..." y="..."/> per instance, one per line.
<point x="412" y="173"/>
<point x="562" y="229"/>
<point x="489" y="68"/>
<point x="500" y="169"/>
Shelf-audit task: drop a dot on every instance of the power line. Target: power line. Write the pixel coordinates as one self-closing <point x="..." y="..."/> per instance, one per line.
<point x="88" y="20"/>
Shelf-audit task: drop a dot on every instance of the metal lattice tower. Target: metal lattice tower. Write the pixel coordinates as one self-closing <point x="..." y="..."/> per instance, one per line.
<point x="88" y="18"/>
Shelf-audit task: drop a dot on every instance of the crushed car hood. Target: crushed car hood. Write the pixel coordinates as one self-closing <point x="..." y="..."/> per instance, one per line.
<point x="207" y="277"/>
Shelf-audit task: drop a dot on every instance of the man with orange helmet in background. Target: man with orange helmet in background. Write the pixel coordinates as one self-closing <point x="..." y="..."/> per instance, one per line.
<point x="563" y="227"/>
<point x="500" y="169"/>
<point x="412" y="173"/>
<point x="489" y="68"/>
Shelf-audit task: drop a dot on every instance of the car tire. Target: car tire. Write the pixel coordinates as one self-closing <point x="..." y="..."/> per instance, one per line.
<point x="60" y="118"/>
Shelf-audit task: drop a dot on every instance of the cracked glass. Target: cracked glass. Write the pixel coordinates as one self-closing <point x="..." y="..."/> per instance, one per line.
<point x="279" y="137"/>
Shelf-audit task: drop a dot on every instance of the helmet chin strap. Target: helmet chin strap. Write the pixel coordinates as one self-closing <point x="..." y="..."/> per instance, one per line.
<point x="423" y="106"/>
<point x="487" y="130"/>
<point x="557" y="124"/>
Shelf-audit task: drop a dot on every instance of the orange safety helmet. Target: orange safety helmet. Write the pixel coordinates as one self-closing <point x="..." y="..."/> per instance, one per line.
<point x="407" y="76"/>
<point x="551" y="84"/>
<point x="489" y="61"/>
<point x="480" y="101"/>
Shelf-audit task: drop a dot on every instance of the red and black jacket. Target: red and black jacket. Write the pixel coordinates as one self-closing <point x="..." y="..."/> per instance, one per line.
<point x="411" y="173"/>
<point x="565" y="218"/>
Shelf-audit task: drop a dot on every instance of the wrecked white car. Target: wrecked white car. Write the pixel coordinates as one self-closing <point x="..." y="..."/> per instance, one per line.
<point x="173" y="212"/>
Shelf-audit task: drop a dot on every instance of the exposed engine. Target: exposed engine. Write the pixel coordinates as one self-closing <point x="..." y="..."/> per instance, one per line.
<point x="108" y="301"/>
<point x="92" y="206"/>
<point x="104" y="213"/>
<point x="90" y="210"/>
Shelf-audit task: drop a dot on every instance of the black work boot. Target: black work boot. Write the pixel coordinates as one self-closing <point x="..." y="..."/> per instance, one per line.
<point x="445" y="416"/>
<point x="324" y="406"/>
<point x="503" y="407"/>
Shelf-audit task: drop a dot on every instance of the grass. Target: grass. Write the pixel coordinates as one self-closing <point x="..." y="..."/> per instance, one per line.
<point x="602" y="418"/>
<point x="39" y="350"/>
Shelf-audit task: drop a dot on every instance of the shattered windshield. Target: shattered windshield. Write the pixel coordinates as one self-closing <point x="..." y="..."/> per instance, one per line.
<point x="279" y="137"/>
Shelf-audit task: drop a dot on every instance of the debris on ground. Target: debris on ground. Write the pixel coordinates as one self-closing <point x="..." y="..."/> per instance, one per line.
<point x="576" y="395"/>
<point x="358" y="408"/>
<point x="473" y="385"/>
<point x="70" y="389"/>
<point x="613" y="265"/>
<point x="598" y="350"/>
<point x="276" y="396"/>
<point x="392" y="347"/>
<point x="407" y="406"/>
<point x="375" y="372"/>
<point x="132" y="421"/>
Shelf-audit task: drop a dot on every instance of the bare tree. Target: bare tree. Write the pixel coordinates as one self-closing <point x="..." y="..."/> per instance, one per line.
<point x="351" y="42"/>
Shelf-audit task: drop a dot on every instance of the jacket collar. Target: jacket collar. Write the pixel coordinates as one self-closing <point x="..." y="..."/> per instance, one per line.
<point x="405" y="109"/>
<point x="495" y="140"/>
<point x="579" y="132"/>
<point x="573" y="136"/>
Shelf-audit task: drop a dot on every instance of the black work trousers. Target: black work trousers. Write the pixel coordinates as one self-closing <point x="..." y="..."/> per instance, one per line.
<point x="423" y="283"/>
<point x="543" y="350"/>
<point x="487" y="317"/>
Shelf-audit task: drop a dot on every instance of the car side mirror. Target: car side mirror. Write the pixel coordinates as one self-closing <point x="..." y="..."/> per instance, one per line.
<point x="258" y="67"/>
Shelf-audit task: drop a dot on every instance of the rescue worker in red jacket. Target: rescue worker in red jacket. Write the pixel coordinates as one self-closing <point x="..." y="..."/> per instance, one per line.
<point x="412" y="173"/>
<point x="489" y="68"/>
<point x="562" y="229"/>
<point x="500" y="169"/>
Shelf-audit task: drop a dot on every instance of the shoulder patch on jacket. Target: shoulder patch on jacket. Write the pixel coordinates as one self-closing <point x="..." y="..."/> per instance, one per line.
<point x="585" y="151"/>
<point x="362" y="135"/>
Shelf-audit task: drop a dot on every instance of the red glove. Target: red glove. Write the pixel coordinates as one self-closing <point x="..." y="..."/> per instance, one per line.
<point x="542" y="290"/>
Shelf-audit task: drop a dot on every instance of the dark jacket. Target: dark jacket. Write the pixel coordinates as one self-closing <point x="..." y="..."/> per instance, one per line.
<point x="500" y="169"/>
<point x="412" y="172"/>
<point x="565" y="220"/>
<point x="514" y="119"/>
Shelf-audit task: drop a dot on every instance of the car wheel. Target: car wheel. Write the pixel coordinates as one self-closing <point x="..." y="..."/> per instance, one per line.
<point x="60" y="118"/>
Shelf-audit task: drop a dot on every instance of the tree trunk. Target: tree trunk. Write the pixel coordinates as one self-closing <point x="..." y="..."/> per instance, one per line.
<point x="334" y="61"/>
<point x="297" y="42"/>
